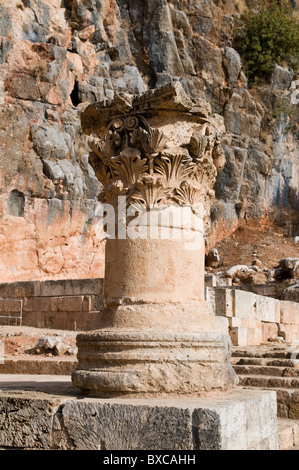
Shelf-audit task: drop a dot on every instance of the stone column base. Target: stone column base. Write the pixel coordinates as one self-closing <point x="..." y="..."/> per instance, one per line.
<point x="119" y="363"/>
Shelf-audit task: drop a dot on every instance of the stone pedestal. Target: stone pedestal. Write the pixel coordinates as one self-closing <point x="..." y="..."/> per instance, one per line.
<point x="157" y="159"/>
<point x="44" y="413"/>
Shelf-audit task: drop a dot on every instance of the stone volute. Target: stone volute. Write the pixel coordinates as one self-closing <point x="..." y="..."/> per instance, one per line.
<point x="157" y="156"/>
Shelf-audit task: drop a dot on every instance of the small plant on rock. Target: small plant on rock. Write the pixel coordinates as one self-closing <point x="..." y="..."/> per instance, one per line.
<point x="267" y="34"/>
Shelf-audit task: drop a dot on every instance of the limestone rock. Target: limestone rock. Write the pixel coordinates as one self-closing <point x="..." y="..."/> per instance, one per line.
<point x="292" y="293"/>
<point x="281" y="78"/>
<point x="243" y="274"/>
<point x="53" y="345"/>
<point x="233" y="65"/>
<point x="213" y="258"/>
<point x="58" y="57"/>
<point x="288" y="269"/>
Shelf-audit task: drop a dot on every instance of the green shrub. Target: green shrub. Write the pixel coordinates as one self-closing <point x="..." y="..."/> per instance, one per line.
<point x="266" y="34"/>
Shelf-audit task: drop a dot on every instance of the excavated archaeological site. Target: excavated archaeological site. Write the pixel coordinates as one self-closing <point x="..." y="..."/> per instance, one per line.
<point x="149" y="230"/>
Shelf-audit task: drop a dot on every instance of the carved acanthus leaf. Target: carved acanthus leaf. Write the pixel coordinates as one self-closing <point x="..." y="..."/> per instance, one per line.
<point x="96" y="145"/>
<point x="205" y="174"/>
<point x="149" y="194"/>
<point x="174" y="169"/>
<point x="128" y="169"/>
<point x="113" y="191"/>
<point x="107" y="147"/>
<point x="132" y="159"/>
<point x="199" y="145"/>
<point x="152" y="140"/>
<point x="188" y="194"/>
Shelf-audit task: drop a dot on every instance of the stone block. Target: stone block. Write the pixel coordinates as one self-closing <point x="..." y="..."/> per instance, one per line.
<point x="236" y="322"/>
<point x="86" y="321"/>
<point x="45" y="304"/>
<point x="19" y="289"/>
<point x="285" y="435"/>
<point x="238" y="336"/>
<point x="30" y="319"/>
<point x="11" y="306"/>
<point x="72" y="287"/>
<point x="245" y="336"/>
<point x="87" y="303"/>
<point x="294" y="411"/>
<point x="40" y="319"/>
<point x="25" y="289"/>
<point x="240" y="420"/>
<point x="4" y="290"/>
<point x="269" y="331"/>
<point x="254" y="336"/>
<point x="57" y="320"/>
<point x="244" y="304"/>
<point x="26" y="423"/>
<point x="84" y="286"/>
<point x="53" y="288"/>
<point x="70" y="304"/>
<point x="267" y="309"/>
<point x="223" y="302"/>
<point x="224" y="281"/>
<point x="282" y="410"/>
<point x="97" y="302"/>
<point x="28" y="304"/>
<point x="210" y="280"/>
<point x="92" y="303"/>
<point x="289" y="332"/>
<point x="289" y="312"/>
<point x="210" y="298"/>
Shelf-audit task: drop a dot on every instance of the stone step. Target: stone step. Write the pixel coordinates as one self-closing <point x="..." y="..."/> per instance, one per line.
<point x="266" y="370"/>
<point x="288" y="434"/>
<point x="260" y="361"/>
<point x="260" y="381"/>
<point x="38" y="365"/>
<point x="287" y="400"/>
<point x="279" y="353"/>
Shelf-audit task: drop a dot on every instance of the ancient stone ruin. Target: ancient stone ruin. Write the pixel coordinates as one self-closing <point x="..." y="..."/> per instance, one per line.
<point x="161" y="153"/>
<point x="149" y="248"/>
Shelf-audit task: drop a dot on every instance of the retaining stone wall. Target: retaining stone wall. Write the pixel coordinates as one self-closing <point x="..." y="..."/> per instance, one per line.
<point x="63" y="304"/>
<point x="255" y="319"/>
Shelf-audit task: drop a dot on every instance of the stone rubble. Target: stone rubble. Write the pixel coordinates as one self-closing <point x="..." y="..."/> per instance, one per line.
<point x="55" y="346"/>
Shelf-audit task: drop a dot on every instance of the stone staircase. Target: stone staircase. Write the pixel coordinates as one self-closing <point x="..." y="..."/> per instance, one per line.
<point x="273" y="367"/>
<point x="270" y="367"/>
<point x="261" y="367"/>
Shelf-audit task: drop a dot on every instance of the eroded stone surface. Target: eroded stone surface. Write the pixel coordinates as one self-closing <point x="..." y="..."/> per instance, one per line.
<point x="158" y="151"/>
<point x="65" y="422"/>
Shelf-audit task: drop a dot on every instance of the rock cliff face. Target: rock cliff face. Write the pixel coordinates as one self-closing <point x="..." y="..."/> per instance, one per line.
<point x="58" y="56"/>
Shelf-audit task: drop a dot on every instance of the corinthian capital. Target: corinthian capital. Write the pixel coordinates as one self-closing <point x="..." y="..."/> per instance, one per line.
<point x="158" y="149"/>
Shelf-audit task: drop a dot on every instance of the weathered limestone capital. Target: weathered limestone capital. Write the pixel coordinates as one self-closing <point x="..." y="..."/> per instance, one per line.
<point x="157" y="156"/>
<point x="156" y="149"/>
